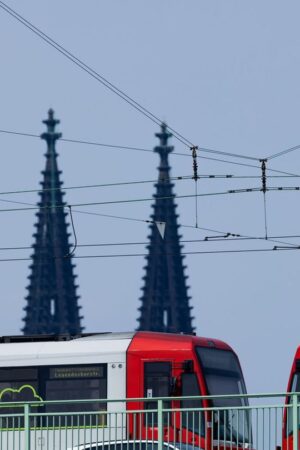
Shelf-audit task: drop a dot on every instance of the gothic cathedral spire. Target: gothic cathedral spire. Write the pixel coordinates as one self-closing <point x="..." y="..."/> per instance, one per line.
<point x="165" y="302"/>
<point x="52" y="301"/>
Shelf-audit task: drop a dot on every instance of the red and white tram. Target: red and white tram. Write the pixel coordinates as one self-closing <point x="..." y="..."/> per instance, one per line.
<point x="133" y="366"/>
<point x="293" y="386"/>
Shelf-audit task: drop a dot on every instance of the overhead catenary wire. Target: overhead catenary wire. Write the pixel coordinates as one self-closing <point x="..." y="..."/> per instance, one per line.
<point x="128" y="255"/>
<point x="81" y="141"/>
<point x="149" y="199"/>
<point x="102" y="185"/>
<point x="245" y="165"/>
<point x="196" y="226"/>
<point x="143" y="243"/>
<point x="284" y="152"/>
<point x="126" y="147"/>
<point x="225" y="235"/>
<point x="154" y="118"/>
<point x="104" y="81"/>
<point x="134" y="182"/>
<point x="93" y="73"/>
<point x="98" y="144"/>
<point x="91" y="213"/>
<point x="129" y="183"/>
<point x="33" y="206"/>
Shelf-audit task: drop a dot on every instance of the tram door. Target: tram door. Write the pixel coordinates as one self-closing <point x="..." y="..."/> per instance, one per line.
<point x="157" y="383"/>
<point x="186" y="423"/>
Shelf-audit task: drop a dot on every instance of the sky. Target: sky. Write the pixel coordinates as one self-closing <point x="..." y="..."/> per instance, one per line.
<point x="225" y="74"/>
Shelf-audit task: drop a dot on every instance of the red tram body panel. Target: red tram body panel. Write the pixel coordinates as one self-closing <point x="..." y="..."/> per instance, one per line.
<point x="167" y="365"/>
<point x="293" y="386"/>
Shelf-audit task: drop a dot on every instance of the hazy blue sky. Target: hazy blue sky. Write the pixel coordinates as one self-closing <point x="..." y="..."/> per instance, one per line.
<point x="223" y="73"/>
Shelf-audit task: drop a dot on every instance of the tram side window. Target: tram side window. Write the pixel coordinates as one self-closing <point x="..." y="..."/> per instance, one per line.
<point x="157" y="382"/>
<point x="78" y="383"/>
<point x="18" y="384"/>
<point x="37" y="384"/>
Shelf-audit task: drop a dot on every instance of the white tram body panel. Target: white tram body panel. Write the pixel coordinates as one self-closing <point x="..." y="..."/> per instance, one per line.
<point x="109" y="349"/>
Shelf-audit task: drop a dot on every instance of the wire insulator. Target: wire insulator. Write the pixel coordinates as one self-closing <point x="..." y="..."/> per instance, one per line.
<point x="195" y="163"/>
<point x="263" y="175"/>
<point x="264" y="190"/>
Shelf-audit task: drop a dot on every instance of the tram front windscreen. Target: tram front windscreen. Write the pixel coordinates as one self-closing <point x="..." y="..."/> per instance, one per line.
<point x="223" y="377"/>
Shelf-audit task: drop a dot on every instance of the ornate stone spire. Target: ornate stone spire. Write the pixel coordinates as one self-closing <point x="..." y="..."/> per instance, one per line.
<point x="165" y="302"/>
<point x="52" y="301"/>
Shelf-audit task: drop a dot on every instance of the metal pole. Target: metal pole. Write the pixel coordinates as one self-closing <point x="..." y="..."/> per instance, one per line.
<point x="295" y="421"/>
<point x="27" y="426"/>
<point x="160" y="424"/>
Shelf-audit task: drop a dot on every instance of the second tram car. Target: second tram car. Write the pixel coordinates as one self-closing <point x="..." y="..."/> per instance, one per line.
<point x="293" y="386"/>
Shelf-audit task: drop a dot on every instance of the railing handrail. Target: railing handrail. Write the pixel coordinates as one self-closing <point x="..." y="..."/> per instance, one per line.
<point x="146" y="399"/>
<point x="234" y="421"/>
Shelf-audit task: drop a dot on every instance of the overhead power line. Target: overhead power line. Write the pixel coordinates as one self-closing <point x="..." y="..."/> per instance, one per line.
<point x="105" y="82"/>
<point x="102" y="185"/>
<point x="139" y="200"/>
<point x="80" y="141"/>
<point x="128" y="255"/>
<point x="124" y="147"/>
<point x="226" y="235"/>
<point x="93" y="73"/>
<point x="205" y="240"/>
<point x="196" y="253"/>
<point x="283" y="152"/>
<point x="129" y="183"/>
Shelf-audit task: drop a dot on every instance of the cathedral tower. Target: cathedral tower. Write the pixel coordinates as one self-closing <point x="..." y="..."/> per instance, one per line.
<point x="52" y="301"/>
<point x="165" y="302"/>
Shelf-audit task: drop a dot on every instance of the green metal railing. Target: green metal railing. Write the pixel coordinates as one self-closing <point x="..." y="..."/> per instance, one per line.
<point x="254" y="422"/>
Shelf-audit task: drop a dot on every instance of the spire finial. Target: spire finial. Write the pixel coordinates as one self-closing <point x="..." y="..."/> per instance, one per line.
<point x="164" y="134"/>
<point x="163" y="150"/>
<point x="51" y="123"/>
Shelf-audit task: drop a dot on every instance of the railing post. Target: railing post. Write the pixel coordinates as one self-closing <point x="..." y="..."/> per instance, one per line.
<point x="160" y="424"/>
<point x="295" y="421"/>
<point x="27" y="426"/>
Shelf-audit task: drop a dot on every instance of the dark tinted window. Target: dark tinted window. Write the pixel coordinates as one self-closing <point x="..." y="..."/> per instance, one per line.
<point x="77" y="383"/>
<point x="223" y="376"/>
<point x="36" y="384"/>
<point x="157" y="379"/>
<point x="216" y="359"/>
<point x="157" y="383"/>
<point x="18" y="385"/>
